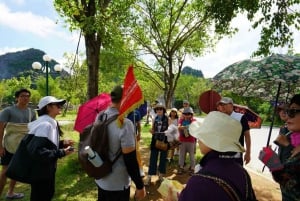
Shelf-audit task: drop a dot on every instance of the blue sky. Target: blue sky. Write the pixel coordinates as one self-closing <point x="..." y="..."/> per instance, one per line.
<point x="35" y="24"/>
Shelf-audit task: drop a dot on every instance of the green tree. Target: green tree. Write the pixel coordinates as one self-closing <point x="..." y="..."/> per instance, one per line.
<point x="279" y="20"/>
<point x="14" y="84"/>
<point x="190" y="87"/>
<point x="99" y="22"/>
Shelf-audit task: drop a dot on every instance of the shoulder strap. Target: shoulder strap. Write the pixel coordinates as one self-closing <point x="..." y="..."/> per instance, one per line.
<point x="116" y="158"/>
<point x="224" y="185"/>
<point x="108" y="121"/>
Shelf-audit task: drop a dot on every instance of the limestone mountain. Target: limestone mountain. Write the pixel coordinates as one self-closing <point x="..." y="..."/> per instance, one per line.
<point x="19" y="64"/>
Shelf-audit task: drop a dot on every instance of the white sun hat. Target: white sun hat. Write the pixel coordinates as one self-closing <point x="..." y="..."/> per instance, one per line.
<point x="219" y="132"/>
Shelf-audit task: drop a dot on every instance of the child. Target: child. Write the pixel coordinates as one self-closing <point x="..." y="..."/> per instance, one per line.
<point x="187" y="141"/>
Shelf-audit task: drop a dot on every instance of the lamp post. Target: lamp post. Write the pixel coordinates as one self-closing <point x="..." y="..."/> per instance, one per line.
<point x="37" y="66"/>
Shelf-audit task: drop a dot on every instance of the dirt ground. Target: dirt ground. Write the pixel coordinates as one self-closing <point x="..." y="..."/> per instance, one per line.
<point x="265" y="188"/>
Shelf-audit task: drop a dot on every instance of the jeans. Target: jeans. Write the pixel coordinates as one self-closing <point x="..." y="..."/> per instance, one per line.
<point x="153" y="161"/>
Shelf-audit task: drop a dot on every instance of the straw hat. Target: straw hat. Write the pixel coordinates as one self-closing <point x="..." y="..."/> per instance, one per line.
<point x="218" y="131"/>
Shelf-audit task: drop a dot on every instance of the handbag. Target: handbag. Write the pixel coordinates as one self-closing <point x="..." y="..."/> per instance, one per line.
<point x="20" y="168"/>
<point x="161" y="145"/>
<point x="160" y="141"/>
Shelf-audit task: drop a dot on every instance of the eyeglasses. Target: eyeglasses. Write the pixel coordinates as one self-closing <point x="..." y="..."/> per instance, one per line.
<point x="159" y="108"/>
<point x="292" y="112"/>
<point x="24" y="96"/>
<point x="187" y="113"/>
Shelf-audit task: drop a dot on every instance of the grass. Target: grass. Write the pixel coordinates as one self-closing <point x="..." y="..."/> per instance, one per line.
<point x="72" y="184"/>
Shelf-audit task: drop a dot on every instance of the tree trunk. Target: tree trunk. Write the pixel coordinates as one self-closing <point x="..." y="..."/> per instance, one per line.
<point x="92" y="54"/>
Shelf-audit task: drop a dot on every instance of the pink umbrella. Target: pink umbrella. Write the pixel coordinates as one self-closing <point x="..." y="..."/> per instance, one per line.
<point x="88" y="111"/>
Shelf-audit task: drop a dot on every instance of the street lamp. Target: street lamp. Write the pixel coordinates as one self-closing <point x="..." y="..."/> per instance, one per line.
<point x="46" y="69"/>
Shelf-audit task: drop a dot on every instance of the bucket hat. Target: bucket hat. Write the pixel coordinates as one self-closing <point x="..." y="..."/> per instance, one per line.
<point x="174" y="109"/>
<point x="160" y="105"/>
<point x="219" y="132"/>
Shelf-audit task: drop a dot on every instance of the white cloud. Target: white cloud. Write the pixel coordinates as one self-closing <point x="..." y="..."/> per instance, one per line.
<point x="228" y="50"/>
<point x="28" y="22"/>
<point x="4" y="50"/>
<point x="18" y="2"/>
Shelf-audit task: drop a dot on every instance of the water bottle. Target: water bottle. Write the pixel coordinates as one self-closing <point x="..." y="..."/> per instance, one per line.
<point x="93" y="157"/>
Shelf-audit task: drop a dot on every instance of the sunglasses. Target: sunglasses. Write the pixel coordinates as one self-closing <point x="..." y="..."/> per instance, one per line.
<point x="57" y="105"/>
<point x="292" y="112"/>
<point x="159" y="108"/>
<point x="187" y="113"/>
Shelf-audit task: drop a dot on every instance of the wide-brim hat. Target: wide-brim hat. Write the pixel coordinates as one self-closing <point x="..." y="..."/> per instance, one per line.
<point x="160" y="105"/>
<point x="219" y="132"/>
<point x="48" y="100"/>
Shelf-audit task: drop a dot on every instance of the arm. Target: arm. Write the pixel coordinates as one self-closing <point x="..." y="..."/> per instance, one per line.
<point x="247" y="156"/>
<point x="129" y="155"/>
<point x="2" y="150"/>
<point x="138" y="127"/>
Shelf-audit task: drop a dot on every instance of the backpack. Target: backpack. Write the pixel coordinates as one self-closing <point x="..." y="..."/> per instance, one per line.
<point x="96" y="136"/>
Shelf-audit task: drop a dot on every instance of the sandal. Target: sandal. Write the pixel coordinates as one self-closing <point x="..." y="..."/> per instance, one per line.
<point x="15" y="196"/>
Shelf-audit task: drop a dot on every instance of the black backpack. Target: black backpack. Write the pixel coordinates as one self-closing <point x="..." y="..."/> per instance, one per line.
<point x="96" y="136"/>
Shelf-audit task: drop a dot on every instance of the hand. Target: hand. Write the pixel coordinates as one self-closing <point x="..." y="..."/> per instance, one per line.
<point x="68" y="142"/>
<point x="270" y="159"/>
<point x="247" y="157"/>
<point x="140" y="194"/>
<point x="69" y="150"/>
<point x="282" y="140"/>
<point x="295" y="151"/>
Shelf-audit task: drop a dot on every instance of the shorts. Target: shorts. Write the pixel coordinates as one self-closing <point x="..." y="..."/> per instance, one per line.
<point x="6" y="158"/>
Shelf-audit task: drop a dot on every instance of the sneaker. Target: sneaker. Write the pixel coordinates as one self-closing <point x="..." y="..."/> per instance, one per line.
<point x="142" y="173"/>
<point x="147" y="181"/>
<point x="14" y="196"/>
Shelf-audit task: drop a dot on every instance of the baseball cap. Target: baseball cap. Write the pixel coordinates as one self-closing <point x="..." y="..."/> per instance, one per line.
<point x="188" y="110"/>
<point x="186" y="101"/>
<point x="225" y="100"/>
<point x="49" y="99"/>
<point x="218" y="131"/>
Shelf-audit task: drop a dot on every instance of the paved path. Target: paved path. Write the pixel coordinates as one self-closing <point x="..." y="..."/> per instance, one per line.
<point x="258" y="140"/>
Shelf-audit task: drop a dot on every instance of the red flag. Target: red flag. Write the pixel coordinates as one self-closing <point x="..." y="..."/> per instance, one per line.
<point x="132" y="96"/>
